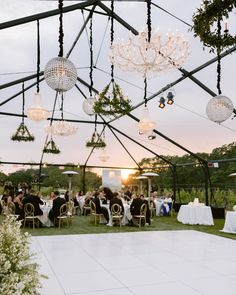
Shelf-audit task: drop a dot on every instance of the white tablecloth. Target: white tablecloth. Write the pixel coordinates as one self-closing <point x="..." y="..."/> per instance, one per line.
<point x="195" y="215"/>
<point x="44" y="218"/>
<point x="158" y="203"/>
<point x="230" y="222"/>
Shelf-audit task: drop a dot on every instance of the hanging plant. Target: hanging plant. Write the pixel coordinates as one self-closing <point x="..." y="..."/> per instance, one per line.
<point x="210" y="12"/>
<point x="51" y="148"/>
<point x="96" y="141"/>
<point x="22" y="134"/>
<point x="112" y="101"/>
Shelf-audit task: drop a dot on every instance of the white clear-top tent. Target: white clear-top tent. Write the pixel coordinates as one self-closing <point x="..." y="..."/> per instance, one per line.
<point x="180" y="128"/>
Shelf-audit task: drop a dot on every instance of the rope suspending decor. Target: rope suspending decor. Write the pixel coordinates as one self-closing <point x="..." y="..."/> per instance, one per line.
<point x="220" y="107"/>
<point x="111" y="100"/>
<point x="88" y="103"/>
<point x="145" y="125"/>
<point x="60" y="73"/>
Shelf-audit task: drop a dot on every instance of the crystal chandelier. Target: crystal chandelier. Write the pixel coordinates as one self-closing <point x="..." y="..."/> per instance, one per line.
<point x="145" y="125"/>
<point x="37" y="112"/>
<point x="150" y="52"/>
<point x="61" y="128"/>
<point x="60" y="73"/>
<point x="163" y="52"/>
<point x="219" y="108"/>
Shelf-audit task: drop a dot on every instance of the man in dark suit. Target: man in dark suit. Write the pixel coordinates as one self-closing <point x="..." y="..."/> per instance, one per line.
<point x="35" y="200"/>
<point x="148" y="212"/>
<point x="135" y="206"/>
<point x="99" y="208"/>
<point x="56" y="205"/>
<point x="116" y="200"/>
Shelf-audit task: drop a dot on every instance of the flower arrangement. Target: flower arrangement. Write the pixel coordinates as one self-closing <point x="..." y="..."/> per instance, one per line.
<point x="112" y="101"/>
<point x="22" y="134"/>
<point x="51" y="148"/>
<point x="96" y="141"/>
<point x="18" y="275"/>
<point x="211" y="11"/>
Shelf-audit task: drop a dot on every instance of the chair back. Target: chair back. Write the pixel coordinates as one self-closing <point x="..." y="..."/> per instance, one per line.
<point x="11" y="208"/>
<point x="63" y="210"/>
<point x="116" y="209"/>
<point x="143" y="209"/>
<point x="93" y="207"/>
<point x="29" y="209"/>
<point x="70" y="207"/>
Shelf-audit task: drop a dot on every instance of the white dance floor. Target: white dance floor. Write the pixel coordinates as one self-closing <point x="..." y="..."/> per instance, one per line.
<point x="142" y="263"/>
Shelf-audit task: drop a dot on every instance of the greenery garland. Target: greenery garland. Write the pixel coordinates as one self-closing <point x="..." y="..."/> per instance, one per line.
<point x="96" y="141"/>
<point x="112" y="102"/>
<point x="51" y="148"/>
<point x="210" y="12"/>
<point x="22" y="134"/>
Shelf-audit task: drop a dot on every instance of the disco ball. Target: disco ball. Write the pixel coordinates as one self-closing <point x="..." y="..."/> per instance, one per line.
<point x="60" y="74"/>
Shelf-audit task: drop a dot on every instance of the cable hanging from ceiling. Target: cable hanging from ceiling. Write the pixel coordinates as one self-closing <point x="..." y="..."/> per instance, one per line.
<point x="88" y="103"/>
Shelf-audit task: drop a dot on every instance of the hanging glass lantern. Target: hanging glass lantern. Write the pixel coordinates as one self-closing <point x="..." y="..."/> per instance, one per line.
<point x="60" y="74"/>
<point x="145" y="125"/>
<point x="104" y="156"/>
<point x="37" y="112"/>
<point x="88" y="105"/>
<point x="219" y="108"/>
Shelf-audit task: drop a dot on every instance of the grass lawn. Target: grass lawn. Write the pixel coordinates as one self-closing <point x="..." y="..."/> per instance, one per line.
<point x="85" y="225"/>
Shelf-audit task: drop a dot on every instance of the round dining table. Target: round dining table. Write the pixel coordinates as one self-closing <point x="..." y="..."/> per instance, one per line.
<point x="193" y="214"/>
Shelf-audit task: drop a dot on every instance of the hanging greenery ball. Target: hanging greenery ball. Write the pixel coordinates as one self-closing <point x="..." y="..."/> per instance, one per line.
<point x="219" y="108"/>
<point x="210" y="12"/>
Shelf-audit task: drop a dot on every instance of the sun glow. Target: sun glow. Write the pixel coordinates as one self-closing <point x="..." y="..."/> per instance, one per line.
<point x="125" y="173"/>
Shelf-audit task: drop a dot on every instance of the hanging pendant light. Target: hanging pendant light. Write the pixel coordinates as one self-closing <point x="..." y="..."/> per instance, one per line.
<point x="145" y="125"/>
<point x="88" y="105"/>
<point x="103" y="157"/>
<point x="60" y="73"/>
<point x="37" y="112"/>
<point x="219" y="108"/>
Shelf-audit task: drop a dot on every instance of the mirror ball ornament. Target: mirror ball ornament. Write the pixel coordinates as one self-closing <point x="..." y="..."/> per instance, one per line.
<point x="88" y="105"/>
<point x="219" y="108"/>
<point x="60" y="74"/>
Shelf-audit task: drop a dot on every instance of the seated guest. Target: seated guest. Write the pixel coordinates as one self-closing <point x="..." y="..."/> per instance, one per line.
<point x="99" y="208"/>
<point x="108" y="194"/>
<point x="117" y="200"/>
<point x="148" y="212"/>
<point x="136" y="205"/>
<point x="35" y="200"/>
<point x="56" y="205"/>
<point x="18" y="203"/>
